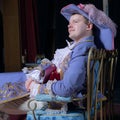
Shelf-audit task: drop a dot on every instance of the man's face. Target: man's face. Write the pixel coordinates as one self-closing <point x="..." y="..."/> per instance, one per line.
<point x="77" y="27"/>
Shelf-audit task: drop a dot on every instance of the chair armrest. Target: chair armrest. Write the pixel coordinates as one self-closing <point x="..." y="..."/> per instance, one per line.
<point x="101" y="97"/>
<point x="49" y="98"/>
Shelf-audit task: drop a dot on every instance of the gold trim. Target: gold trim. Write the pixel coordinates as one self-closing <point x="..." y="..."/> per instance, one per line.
<point x="11" y="99"/>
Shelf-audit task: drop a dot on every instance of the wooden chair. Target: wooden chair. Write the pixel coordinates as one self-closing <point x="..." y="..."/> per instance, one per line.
<point x="108" y="78"/>
<point x="113" y="63"/>
<point x="94" y="97"/>
<point x="95" y="83"/>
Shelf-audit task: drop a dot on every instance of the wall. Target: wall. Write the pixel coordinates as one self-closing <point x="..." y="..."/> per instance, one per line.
<point x="12" y="55"/>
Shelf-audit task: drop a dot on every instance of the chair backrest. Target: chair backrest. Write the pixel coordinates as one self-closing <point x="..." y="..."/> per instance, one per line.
<point x="101" y="68"/>
<point x="94" y="68"/>
<point x="110" y="63"/>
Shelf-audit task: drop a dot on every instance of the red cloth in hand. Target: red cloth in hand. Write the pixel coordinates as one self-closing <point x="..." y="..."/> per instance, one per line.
<point x="48" y="72"/>
<point x="54" y="75"/>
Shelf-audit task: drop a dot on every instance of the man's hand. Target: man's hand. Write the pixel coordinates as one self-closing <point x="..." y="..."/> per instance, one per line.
<point x="28" y="83"/>
<point x="33" y="87"/>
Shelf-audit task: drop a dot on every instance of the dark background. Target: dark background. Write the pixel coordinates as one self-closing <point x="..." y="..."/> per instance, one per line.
<point x="53" y="26"/>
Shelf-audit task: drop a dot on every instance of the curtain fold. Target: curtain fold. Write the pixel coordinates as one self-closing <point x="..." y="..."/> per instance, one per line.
<point x="28" y="25"/>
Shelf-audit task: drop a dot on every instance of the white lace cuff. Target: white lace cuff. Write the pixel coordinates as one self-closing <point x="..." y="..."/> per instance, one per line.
<point x="34" y="89"/>
<point x="48" y="86"/>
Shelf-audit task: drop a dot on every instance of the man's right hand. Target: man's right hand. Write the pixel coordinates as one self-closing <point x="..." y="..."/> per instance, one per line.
<point x="28" y="83"/>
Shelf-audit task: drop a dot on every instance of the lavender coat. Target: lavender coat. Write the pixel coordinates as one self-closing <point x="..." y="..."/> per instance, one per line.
<point x="74" y="79"/>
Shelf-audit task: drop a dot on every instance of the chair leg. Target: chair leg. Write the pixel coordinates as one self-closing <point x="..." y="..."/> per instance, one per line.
<point x="110" y="110"/>
<point x="105" y="111"/>
<point x="101" y="111"/>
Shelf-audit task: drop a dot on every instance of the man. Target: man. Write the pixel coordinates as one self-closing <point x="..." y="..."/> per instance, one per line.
<point x="82" y="20"/>
<point x="80" y="30"/>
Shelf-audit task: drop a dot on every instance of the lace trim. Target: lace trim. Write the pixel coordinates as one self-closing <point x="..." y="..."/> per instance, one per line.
<point x="34" y="89"/>
<point x="48" y="87"/>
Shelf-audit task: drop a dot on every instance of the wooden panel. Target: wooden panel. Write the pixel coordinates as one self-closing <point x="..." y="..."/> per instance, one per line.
<point x="12" y="57"/>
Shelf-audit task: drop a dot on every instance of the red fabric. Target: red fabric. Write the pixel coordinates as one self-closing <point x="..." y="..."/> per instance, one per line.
<point x="48" y="72"/>
<point x="54" y="75"/>
<point x="28" y="29"/>
<point x="51" y="74"/>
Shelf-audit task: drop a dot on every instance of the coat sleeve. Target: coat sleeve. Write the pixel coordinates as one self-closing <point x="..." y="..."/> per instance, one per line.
<point x="74" y="77"/>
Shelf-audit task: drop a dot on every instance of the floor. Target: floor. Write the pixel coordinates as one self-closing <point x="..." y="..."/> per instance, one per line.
<point x="117" y="103"/>
<point x="116" y="111"/>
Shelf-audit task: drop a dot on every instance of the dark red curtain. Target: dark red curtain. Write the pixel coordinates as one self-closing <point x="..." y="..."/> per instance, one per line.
<point x="28" y="28"/>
